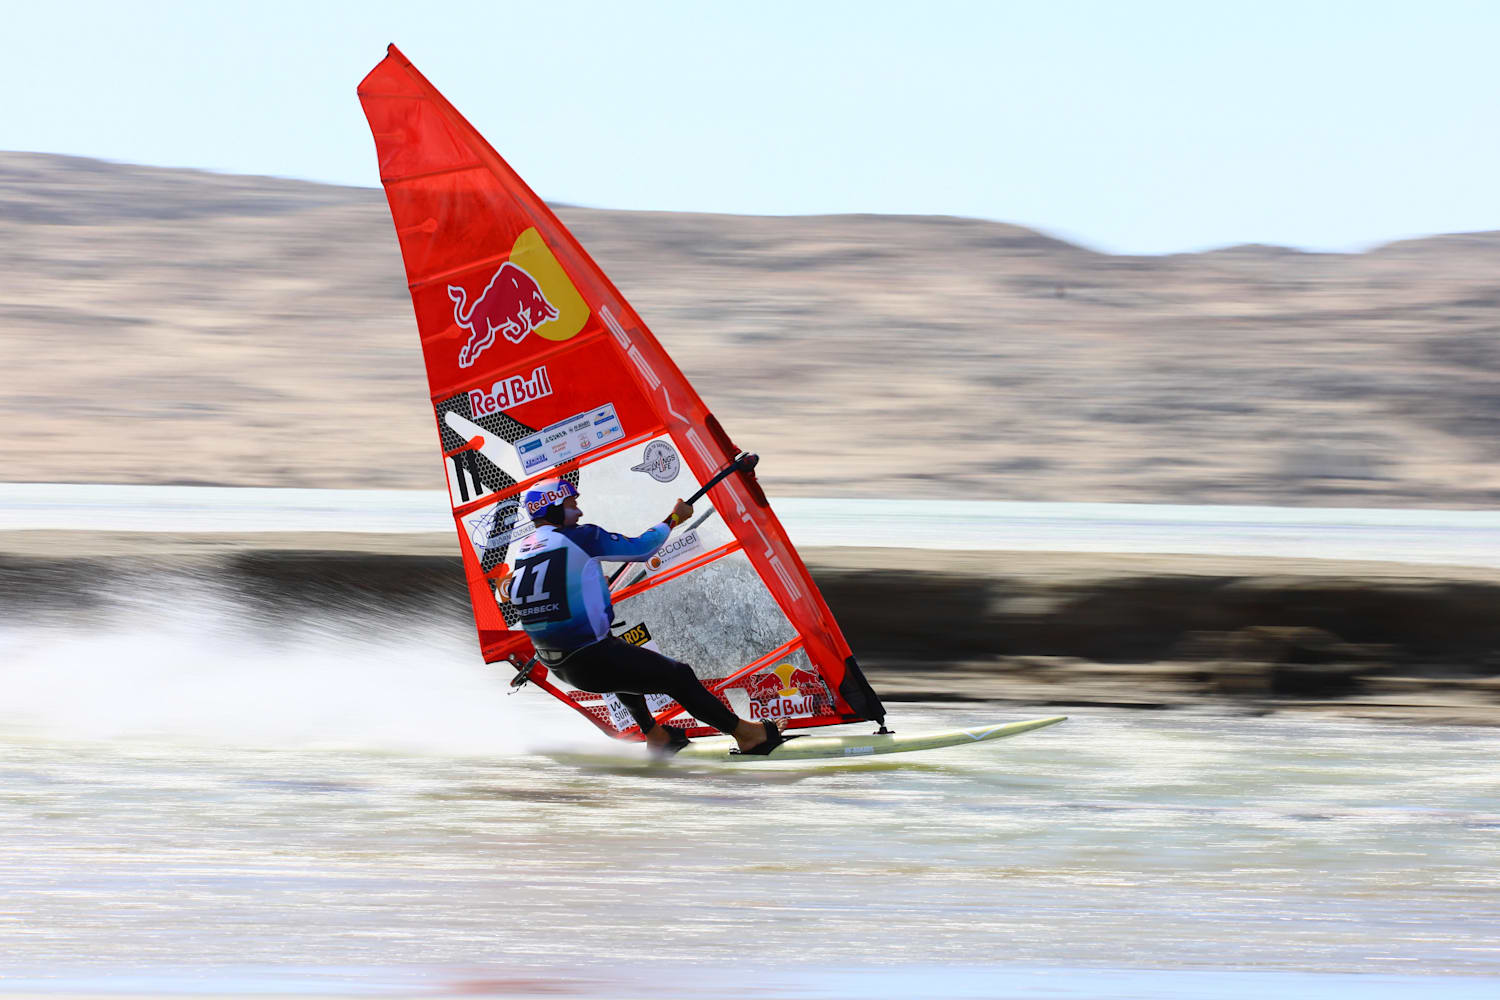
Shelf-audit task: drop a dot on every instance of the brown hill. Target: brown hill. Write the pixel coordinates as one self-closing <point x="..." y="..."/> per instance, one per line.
<point x="165" y="326"/>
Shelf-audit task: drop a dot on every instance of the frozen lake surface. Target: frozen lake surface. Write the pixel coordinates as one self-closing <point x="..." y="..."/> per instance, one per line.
<point x="1454" y="537"/>
<point x="191" y="804"/>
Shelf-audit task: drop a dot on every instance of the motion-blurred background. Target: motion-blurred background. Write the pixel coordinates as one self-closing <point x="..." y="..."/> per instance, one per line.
<point x="786" y="194"/>
<point x="170" y="326"/>
<point x="1147" y="252"/>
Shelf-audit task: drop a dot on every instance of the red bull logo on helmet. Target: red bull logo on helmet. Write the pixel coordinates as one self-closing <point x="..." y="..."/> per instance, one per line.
<point x="529" y="293"/>
<point x="546" y="493"/>
<point x="784" y="691"/>
<point x="545" y="500"/>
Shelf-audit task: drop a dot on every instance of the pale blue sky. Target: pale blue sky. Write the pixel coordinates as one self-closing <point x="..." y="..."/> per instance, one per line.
<point x="1141" y="127"/>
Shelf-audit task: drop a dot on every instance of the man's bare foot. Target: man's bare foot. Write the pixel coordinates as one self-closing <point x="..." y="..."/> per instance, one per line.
<point x="658" y="737"/>
<point x="753" y="734"/>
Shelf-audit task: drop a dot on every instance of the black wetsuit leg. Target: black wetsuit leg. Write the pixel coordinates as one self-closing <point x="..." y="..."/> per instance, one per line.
<point x="614" y="666"/>
<point x="636" y="705"/>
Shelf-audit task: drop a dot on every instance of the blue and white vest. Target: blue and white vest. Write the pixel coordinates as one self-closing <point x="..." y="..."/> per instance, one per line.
<point x="558" y="588"/>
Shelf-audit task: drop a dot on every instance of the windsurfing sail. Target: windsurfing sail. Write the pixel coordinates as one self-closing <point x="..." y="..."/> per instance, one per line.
<point x="538" y="367"/>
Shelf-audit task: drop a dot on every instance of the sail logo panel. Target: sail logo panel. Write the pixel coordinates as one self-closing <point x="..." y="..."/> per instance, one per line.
<point x="528" y="293"/>
<point x="516" y="425"/>
<point x="538" y="367"/>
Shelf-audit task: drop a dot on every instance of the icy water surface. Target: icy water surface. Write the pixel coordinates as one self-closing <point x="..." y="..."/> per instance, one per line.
<point x="185" y="807"/>
<point x="1452" y="537"/>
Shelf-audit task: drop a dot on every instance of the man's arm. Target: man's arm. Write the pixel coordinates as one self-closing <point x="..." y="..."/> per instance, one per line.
<point x="615" y="547"/>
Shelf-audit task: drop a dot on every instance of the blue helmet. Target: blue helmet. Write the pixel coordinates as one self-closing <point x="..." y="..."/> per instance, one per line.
<point x="543" y="496"/>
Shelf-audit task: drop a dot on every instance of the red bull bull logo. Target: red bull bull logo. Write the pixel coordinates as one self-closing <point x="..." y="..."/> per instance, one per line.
<point x="784" y="691"/>
<point x="529" y="294"/>
<point x="512" y="305"/>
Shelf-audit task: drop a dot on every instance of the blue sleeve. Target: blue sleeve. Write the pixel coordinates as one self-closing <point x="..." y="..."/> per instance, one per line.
<point x="601" y="544"/>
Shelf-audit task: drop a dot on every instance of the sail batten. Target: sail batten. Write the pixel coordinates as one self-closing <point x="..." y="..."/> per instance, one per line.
<point x="453" y="272"/>
<point x="440" y="172"/>
<point x="537" y="366"/>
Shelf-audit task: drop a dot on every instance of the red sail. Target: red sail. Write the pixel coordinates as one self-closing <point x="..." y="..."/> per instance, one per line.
<point x="537" y="367"/>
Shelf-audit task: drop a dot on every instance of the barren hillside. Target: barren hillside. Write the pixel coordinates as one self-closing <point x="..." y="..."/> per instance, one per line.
<point x="162" y="326"/>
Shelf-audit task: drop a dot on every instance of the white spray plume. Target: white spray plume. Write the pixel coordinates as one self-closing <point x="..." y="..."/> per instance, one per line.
<point x="193" y="670"/>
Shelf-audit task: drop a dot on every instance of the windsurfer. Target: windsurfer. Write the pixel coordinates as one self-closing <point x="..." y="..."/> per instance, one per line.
<point x="562" y="598"/>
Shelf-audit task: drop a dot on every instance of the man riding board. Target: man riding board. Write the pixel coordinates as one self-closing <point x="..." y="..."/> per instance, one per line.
<point x="559" y="591"/>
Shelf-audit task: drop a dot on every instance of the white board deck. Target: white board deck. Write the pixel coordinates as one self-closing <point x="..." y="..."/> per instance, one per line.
<point x="866" y="744"/>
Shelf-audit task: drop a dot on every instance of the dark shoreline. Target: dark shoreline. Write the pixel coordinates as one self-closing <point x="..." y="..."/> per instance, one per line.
<point x="1378" y="640"/>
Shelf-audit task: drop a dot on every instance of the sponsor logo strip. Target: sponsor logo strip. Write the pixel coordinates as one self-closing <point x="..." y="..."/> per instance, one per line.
<point x="599" y="454"/>
<point x="568" y="439"/>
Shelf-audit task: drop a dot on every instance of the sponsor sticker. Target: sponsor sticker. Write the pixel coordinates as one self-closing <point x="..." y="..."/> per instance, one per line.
<point x="640" y="635"/>
<point x="498" y="526"/>
<point x="621" y="719"/>
<point x="619" y="715"/>
<point x="660" y="462"/>
<point x="785" y="691"/>
<point x="684" y="546"/>
<point x="509" y="392"/>
<point x="567" y="439"/>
